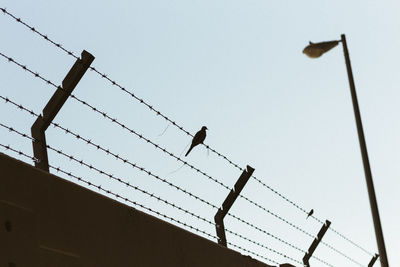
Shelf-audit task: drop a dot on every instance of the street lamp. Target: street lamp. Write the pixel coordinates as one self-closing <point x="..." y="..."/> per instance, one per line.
<point x="315" y="50"/>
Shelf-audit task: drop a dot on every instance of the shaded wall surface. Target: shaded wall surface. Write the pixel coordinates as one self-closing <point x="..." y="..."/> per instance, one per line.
<point x="48" y="221"/>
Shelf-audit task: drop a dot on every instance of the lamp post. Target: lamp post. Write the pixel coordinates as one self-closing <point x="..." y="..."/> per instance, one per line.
<point x="315" y="50"/>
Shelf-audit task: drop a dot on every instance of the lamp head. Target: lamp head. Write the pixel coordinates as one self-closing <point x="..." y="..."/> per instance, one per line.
<point x="315" y="50"/>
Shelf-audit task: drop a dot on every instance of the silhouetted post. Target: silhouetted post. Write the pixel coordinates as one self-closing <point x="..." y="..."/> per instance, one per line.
<point x="373" y="260"/>
<point x="367" y="167"/>
<point x="315" y="50"/>
<point x="315" y="243"/>
<point x="53" y="107"/>
<point x="228" y="202"/>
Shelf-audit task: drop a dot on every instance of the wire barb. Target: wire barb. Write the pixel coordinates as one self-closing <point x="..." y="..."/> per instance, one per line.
<point x="33" y="29"/>
<point x="159" y="113"/>
<point x="27" y="69"/>
<point x="146" y="193"/>
<point x="126" y="161"/>
<point x="134" y="165"/>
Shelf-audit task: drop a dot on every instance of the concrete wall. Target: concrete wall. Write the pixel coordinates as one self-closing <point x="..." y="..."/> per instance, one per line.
<point x="47" y="221"/>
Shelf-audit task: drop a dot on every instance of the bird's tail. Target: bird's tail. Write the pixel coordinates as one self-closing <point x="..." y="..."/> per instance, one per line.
<point x="190" y="149"/>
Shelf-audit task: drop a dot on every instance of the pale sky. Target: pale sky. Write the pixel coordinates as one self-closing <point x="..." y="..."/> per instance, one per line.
<point x="236" y="67"/>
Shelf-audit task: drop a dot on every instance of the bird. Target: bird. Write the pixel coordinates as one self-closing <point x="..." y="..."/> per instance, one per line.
<point x="310" y="213"/>
<point x="198" y="139"/>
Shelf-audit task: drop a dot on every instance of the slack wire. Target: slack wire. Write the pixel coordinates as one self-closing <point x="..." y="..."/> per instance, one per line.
<point x="112" y="177"/>
<point x="157" y="146"/>
<point x="158" y="113"/>
<point x="118" y="196"/>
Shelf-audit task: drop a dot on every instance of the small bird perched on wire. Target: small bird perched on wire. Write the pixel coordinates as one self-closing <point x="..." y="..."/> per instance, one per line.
<point x="310" y="213"/>
<point x="198" y="138"/>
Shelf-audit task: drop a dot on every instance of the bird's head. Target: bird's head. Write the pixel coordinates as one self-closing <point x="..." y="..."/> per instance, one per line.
<point x="204" y="128"/>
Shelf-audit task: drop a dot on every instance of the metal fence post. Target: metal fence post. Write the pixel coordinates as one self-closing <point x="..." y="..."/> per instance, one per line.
<point x="54" y="105"/>
<point x="228" y="202"/>
<point x="315" y="243"/>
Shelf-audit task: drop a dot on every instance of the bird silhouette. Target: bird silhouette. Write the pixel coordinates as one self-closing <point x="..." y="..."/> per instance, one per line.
<point x="198" y="139"/>
<point x="310" y="213"/>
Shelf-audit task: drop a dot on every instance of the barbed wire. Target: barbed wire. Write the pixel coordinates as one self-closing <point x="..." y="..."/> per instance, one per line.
<point x="8" y="147"/>
<point x="19" y="20"/>
<point x="213" y="179"/>
<point x="350" y="241"/>
<point x="105" y="76"/>
<point x="67" y="131"/>
<point x="126" y="161"/>
<point x="114" y="120"/>
<point x="118" y="196"/>
<point x="142" y="169"/>
<point x="158" y="113"/>
<point x="36" y="74"/>
<point x="152" y="195"/>
<point x="122" y="125"/>
<point x="341" y="253"/>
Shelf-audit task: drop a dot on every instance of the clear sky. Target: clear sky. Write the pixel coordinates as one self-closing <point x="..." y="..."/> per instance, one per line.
<point x="237" y="67"/>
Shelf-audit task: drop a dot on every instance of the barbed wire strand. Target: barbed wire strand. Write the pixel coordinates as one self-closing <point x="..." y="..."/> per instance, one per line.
<point x="126" y="161"/>
<point x="116" y="156"/>
<point x="108" y="152"/>
<point x="104" y="114"/>
<point x="134" y="165"/>
<point x="118" y="196"/>
<point x="152" y="195"/>
<point x="103" y="75"/>
<point x="113" y="120"/>
<point x="122" y="125"/>
<point x="19" y="20"/>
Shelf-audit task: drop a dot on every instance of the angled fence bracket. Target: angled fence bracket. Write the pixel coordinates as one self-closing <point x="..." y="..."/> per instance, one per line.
<point x="228" y="202"/>
<point x="54" y="105"/>
<point x="373" y="260"/>
<point x="315" y="243"/>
